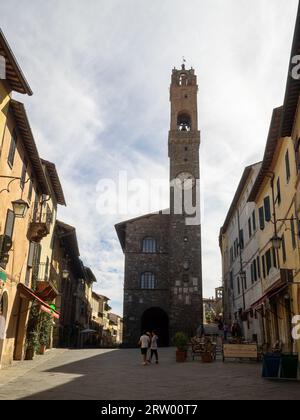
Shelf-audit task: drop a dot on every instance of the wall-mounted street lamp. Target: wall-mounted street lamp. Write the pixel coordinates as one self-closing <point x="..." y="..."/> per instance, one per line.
<point x="65" y="274"/>
<point x="20" y="208"/>
<point x="276" y="242"/>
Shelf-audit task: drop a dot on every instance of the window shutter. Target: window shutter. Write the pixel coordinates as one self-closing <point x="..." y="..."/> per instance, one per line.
<point x="278" y="191"/>
<point x="283" y="247"/>
<point x="263" y="266"/>
<point x="254" y="220"/>
<point x="258" y="267"/>
<point x="293" y="233"/>
<point x="9" y="226"/>
<point x="12" y="149"/>
<point x="287" y="166"/>
<point x="267" y="207"/>
<point x="23" y="175"/>
<point x="261" y="218"/>
<point x="241" y="239"/>
<point x="249" y="228"/>
<point x="31" y="254"/>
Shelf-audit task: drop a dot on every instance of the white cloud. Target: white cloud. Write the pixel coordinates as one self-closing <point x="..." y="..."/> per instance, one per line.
<point x="100" y="72"/>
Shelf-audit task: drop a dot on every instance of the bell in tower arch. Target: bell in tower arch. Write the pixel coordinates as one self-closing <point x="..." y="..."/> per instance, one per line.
<point x="184" y="122"/>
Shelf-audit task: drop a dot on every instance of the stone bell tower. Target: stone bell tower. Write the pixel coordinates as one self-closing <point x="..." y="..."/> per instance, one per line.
<point x="185" y="268"/>
<point x="162" y="279"/>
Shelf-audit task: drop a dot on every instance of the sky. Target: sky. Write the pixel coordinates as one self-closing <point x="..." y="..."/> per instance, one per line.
<point x="100" y="72"/>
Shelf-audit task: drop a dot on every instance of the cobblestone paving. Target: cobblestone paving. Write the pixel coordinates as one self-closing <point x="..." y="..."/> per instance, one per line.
<point x="117" y="374"/>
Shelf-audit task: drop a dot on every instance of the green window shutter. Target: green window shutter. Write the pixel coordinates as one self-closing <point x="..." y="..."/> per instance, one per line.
<point x="287" y="166"/>
<point x="293" y="234"/>
<point x="254" y="221"/>
<point x="283" y="247"/>
<point x="267" y="208"/>
<point x="261" y="218"/>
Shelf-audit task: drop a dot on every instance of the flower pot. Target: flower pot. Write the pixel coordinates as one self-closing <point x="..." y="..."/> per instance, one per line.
<point x="206" y="357"/>
<point x="180" y="356"/>
<point x="271" y="365"/>
<point x="42" y="348"/>
<point x="29" y="354"/>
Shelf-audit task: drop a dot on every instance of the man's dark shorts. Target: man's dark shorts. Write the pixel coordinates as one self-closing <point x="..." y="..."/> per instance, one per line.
<point x="144" y="351"/>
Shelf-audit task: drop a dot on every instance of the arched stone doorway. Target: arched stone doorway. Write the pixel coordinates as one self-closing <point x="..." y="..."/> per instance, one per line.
<point x="156" y="319"/>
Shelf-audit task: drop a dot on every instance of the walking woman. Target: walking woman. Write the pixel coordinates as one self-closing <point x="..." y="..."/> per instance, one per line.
<point x="153" y="348"/>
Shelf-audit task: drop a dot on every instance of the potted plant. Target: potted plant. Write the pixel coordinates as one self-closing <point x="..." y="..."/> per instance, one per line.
<point x="207" y="353"/>
<point x="181" y="342"/>
<point x="45" y="331"/>
<point x="31" y="344"/>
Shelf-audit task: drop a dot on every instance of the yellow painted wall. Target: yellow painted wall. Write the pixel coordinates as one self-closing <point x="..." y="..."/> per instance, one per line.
<point x="4" y="100"/>
<point x="285" y="210"/>
<point x="17" y="266"/>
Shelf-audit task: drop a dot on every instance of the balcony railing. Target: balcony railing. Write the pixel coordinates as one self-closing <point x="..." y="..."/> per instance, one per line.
<point x="277" y="277"/>
<point x="40" y="225"/>
<point x="43" y="282"/>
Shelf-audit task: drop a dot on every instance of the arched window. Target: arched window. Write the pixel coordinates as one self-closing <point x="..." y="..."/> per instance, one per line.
<point x="148" y="281"/>
<point x="184" y="122"/>
<point x="149" y="245"/>
<point x="183" y="80"/>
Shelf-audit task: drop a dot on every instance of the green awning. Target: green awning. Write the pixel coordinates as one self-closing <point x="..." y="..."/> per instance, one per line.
<point x="3" y="276"/>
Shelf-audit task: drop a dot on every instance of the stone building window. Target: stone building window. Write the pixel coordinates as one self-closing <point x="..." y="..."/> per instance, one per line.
<point x="149" y="245"/>
<point x="148" y="281"/>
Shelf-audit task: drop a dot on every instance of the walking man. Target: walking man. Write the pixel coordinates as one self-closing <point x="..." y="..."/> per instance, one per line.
<point x="144" y="344"/>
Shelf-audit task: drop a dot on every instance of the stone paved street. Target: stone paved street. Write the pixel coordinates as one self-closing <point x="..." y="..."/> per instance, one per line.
<point x="117" y="374"/>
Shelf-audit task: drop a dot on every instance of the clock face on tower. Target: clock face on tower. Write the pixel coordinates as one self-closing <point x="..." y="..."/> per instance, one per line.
<point x="186" y="180"/>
